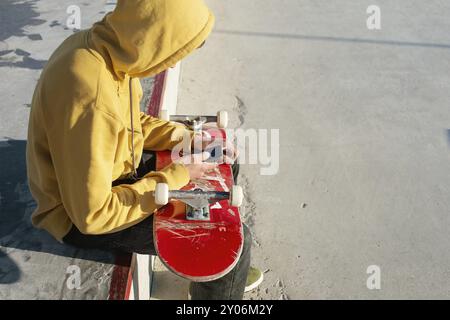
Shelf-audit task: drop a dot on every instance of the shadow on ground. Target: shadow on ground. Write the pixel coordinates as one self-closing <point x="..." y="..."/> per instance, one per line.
<point x="448" y="137"/>
<point x="9" y="271"/>
<point x="26" y="61"/>
<point x="333" y="39"/>
<point x="16" y="206"/>
<point x="15" y="15"/>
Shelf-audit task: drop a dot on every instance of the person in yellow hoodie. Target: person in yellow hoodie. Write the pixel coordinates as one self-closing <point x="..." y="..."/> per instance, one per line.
<point x="87" y="136"/>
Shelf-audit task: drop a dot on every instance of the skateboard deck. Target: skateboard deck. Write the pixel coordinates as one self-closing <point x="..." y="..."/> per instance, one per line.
<point x="199" y="250"/>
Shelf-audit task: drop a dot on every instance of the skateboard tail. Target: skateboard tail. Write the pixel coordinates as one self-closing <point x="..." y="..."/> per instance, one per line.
<point x="204" y="271"/>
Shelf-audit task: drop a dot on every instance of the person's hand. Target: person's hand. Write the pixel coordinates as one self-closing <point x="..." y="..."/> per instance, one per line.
<point x="203" y="142"/>
<point x="196" y="164"/>
<point x="200" y="141"/>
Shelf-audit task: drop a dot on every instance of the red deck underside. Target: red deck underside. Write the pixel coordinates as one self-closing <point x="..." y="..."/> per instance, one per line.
<point x="199" y="250"/>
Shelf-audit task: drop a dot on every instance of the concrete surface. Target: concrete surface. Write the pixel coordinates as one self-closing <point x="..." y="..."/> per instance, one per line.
<point x="364" y="123"/>
<point x="166" y="285"/>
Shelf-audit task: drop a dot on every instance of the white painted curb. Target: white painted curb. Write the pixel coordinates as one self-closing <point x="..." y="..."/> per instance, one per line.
<point x="170" y="91"/>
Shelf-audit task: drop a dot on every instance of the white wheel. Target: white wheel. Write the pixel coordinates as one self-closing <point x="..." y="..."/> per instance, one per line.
<point x="164" y="115"/>
<point x="237" y="196"/>
<point x="222" y="119"/>
<point x="162" y="194"/>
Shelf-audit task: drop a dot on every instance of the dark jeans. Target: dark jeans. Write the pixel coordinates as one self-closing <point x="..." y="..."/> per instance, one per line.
<point x="139" y="239"/>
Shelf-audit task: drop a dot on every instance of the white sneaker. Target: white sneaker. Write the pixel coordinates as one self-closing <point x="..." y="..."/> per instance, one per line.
<point x="254" y="278"/>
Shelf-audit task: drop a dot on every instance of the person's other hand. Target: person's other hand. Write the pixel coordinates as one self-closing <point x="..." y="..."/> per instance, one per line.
<point x="196" y="164"/>
<point x="203" y="142"/>
<point x="200" y="141"/>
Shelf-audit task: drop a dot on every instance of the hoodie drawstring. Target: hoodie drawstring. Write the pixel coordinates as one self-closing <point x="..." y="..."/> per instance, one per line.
<point x="134" y="174"/>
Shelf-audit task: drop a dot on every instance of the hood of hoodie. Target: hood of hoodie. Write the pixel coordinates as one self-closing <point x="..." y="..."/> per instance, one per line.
<point x="144" y="37"/>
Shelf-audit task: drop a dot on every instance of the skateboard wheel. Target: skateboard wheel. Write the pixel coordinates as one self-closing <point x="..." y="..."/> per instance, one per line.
<point x="237" y="196"/>
<point x="222" y="119"/>
<point x="164" y="115"/>
<point x="162" y="194"/>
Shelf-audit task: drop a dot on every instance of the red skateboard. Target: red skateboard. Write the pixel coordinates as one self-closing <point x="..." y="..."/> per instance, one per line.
<point x="198" y="232"/>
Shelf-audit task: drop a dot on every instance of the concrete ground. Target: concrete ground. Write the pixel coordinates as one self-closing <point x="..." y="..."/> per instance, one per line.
<point x="364" y="120"/>
<point x="364" y="124"/>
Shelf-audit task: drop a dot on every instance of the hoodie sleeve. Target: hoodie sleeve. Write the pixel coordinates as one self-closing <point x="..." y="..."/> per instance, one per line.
<point x="84" y="169"/>
<point x="160" y="134"/>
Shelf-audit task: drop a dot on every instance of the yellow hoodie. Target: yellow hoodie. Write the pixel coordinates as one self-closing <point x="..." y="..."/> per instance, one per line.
<point x="79" y="137"/>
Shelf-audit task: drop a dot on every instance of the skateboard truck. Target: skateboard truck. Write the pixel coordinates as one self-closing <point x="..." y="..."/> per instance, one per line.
<point x="196" y="122"/>
<point x="198" y="201"/>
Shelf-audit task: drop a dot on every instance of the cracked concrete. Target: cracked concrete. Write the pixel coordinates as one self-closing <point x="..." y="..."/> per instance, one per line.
<point x="241" y="111"/>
